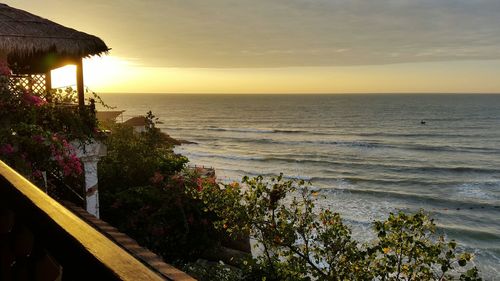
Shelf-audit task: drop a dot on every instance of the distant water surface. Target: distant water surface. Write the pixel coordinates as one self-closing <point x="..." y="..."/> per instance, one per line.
<point x="368" y="154"/>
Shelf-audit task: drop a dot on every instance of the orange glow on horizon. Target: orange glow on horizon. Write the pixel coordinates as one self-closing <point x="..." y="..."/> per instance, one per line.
<point x="112" y="74"/>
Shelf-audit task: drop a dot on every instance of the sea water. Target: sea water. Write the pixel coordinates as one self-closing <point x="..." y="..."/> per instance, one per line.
<point x="367" y="154"/>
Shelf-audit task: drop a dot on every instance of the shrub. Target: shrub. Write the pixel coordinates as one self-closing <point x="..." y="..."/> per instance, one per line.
<point x="143" y="193"/>
<point x="297" y="241"/>
<point x="36" y="131"/>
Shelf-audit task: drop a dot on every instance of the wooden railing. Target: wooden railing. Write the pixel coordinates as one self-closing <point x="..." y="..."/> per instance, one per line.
<point x="40" y="237"/>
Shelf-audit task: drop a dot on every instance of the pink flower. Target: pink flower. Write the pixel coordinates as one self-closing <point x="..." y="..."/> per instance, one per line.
<point x="157" y="178"/>
<point x="65" y="157"/>
<point x="4" y="68"/>
<point x="199" y="184"/>
<point x="211" y="180"/>
<point x="37" y="174"/>
<point x="178" y="179"/>
<point x="34" y="100"/>
<point x="38" y="138"/>
<point x="7" y="149"/>
<point x="72" y="166"/>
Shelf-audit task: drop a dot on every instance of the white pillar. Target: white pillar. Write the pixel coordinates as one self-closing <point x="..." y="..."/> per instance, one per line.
<point x="91" y="185"/>
<point x="89" y="154"/>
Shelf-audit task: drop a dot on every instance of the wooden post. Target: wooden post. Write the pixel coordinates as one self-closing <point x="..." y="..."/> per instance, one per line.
<point x="48" y="84"/>
<point x="79" y="84"/>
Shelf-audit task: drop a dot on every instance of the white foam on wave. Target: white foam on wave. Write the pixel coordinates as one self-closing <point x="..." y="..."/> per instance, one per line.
<point x="358" y="213"/>
<point x="241" y="130"/>
<point x="473" y="191"/>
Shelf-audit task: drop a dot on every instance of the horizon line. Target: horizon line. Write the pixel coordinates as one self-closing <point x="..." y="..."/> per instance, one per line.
<point x="320" y="93"/>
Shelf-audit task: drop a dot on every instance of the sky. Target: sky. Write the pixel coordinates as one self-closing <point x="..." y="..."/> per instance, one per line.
<point x="286" y="46"/>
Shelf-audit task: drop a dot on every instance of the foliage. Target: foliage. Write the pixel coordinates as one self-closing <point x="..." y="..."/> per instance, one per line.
<point x="143" y="194"/>
<point x="408" y="250"/>
<point x="36" y="130"/>
<point x="203" y="270"/>
<point x="297" y="241"/>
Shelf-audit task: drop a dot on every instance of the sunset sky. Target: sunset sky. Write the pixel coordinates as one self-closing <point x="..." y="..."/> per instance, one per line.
<point x="287" y="46"/>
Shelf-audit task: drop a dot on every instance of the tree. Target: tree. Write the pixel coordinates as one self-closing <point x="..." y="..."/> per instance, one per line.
<point x="298" y="241"/>
<point x="142" y="187"/>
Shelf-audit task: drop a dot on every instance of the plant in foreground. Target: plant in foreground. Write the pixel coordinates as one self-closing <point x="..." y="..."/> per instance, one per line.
<point x="297" y="241"/>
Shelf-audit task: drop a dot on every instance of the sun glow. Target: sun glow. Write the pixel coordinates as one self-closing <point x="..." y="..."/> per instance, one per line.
<point x="98" y="73"/>
<point x="64" y="76"/>
<point x="119" y="75"/>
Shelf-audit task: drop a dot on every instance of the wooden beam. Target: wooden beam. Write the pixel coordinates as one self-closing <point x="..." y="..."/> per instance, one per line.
<point x="48" y="81"/>
<point x="79" y="84"/>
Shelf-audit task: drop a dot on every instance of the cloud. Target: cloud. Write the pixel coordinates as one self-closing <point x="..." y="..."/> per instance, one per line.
<point x="282" y="33"/>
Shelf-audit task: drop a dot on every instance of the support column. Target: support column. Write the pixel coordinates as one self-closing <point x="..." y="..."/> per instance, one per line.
<point x="48" y="84"/>
<point x="91" y="185"/>
<point x="89" y="154"/>
<point x="79" y="84"/>
<point x="48" y="80"/>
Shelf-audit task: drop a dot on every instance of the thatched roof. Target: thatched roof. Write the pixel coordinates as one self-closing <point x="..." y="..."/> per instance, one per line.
<point x="24" y="37"/>
<point x="136" y="121"/>
<point x="108" y="116"/>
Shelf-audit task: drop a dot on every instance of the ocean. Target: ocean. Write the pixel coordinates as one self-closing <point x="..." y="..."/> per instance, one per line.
<point x="367" y="154"/>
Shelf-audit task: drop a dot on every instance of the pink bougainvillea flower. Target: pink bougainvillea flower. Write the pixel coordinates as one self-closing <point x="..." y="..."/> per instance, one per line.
<point x="38" y="138"/>
<point x="6" y="149"/>
<point x="4" y="68"/>
<point x="178" y="179"/>
<point x="64" y="155"/>
<point x="37" y="174"/>
<point x="199" y="184"/>
<point x="156" y="178"/>
<point x="34" y="100"/>
<point x="211" y="180"/>
<point x="72" y="166"/>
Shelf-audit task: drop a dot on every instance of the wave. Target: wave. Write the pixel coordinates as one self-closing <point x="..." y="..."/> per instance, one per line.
<point x="255" y="174"/>
<point x="372" y="145"/>
<point x="455" y="169"/>
<point x="240" y="130"/>
<point x="438" y="202"/>
<point x="317" y="132"/>
<point x="443" y="194"/>
<point x="486" y="238"/>
<point x="364" y="144"/>
<point x="415" y="182"/>
<point x="346" y="164"/>
<point x="221" y="156"/>
<point x="411" y="135"/>
<point x="264" y="131"/>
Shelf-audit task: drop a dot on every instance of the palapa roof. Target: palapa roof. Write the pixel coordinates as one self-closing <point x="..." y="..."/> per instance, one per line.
<point x="136" y="121"/>
<point x="108" y="116"/>
<point x="27" y="39"/>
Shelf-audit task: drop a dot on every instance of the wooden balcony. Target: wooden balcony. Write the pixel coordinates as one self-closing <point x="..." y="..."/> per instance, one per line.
<point x="42" y="240"/>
